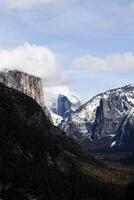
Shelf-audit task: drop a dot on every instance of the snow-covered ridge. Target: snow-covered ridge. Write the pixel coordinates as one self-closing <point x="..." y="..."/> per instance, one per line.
<point x="56" y="118"/>
<point x="102" y="116"/>
<point x="91" y="105"/>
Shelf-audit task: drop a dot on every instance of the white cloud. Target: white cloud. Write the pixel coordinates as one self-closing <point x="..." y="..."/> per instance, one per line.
<point x="124" y="61"/>
<point x="26" y="4"/>
<point x="37" y="60"/>
<point x="51" y="93"/>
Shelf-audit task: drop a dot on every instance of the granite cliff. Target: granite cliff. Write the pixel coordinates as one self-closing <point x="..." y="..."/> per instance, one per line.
<point x="63" y="107"/>
<point x="25" y="83"/>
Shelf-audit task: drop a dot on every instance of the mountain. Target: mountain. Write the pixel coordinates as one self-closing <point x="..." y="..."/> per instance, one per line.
<point x="106" y="121"/>
<point x="26" y="83"/>
<point x="63" y="107"/>
<point x="38" y="161"/>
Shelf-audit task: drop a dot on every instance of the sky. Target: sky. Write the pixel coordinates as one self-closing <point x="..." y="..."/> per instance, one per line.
<point x="80" y="47"/>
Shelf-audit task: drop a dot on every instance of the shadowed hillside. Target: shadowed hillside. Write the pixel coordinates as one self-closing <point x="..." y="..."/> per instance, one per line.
<point x="38" y="161"/>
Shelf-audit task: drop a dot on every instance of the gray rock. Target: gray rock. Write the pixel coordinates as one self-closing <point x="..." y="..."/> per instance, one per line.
<point x="23" y="82"/>
<point x="107" y="120"/>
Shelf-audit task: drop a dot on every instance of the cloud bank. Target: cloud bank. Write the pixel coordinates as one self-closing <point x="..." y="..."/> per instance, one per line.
<point x="27" y="4"/>
<point x="37" y="60"/>
<point x="124" y="61"/>
<point x="51" y="93"/>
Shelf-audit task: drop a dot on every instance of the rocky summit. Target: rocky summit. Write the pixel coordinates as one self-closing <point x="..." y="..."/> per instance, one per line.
<point x="63" y="107"/>
<point x="107" y="120"/>
<point x="21" y="81"/>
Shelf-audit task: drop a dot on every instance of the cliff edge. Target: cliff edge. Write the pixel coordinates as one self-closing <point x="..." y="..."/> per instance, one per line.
<point x="25" y="83"/>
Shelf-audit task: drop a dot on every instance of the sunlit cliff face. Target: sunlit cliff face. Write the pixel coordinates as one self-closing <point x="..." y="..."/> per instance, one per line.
<point x="28" y="84"/>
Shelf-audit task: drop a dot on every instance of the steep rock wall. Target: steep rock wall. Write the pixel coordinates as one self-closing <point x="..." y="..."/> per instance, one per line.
<point x="23" y="82"/>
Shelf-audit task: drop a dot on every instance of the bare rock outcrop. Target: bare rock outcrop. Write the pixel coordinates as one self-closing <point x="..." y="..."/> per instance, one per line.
<point x="23" y="82"/>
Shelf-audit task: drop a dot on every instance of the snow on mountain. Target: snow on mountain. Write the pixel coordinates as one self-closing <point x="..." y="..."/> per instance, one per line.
<point x="56" y="119"/>
<point x="63" y="107"/>
<point x="105" y="116"/>
<point x="75" y="102"/>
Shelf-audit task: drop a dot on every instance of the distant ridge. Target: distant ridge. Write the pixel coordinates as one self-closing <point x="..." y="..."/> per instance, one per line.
<point x="105" y="121"/>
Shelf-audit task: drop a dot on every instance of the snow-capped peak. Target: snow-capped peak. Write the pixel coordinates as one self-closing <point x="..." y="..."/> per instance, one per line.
<point x="63" y="107"/>
<point x="103" y="116"/>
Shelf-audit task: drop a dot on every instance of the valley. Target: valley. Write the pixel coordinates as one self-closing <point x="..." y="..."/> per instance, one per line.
<point x="41" y="161"/>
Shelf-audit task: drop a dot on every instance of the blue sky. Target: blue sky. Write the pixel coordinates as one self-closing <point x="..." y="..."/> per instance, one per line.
<point x="91" y="42"/>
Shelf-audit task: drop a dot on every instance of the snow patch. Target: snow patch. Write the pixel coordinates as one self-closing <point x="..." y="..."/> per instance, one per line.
<point x="56" y="118"/>
<point x="113" y="144"/>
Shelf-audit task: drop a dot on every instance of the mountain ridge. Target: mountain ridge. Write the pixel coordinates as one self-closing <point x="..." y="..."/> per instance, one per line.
<point x="102" y="114"/>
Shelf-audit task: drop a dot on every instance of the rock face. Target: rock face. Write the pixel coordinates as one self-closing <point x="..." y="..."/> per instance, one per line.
<point x="23" y="82"/>
<point x="64" y="106"/>
<point x="107" y="120"/>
